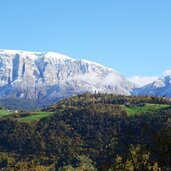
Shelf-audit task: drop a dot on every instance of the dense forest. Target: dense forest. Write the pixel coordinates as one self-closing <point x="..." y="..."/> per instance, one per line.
<point x="91" y="132"/>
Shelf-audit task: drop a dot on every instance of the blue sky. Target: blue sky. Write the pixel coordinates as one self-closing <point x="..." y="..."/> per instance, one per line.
<point x="130" y="36"/>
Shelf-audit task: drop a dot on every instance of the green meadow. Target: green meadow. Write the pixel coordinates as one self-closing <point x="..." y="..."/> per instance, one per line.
<point x="35" y="116"/>
<point x="4" y="112"/>
<point x="143" y="109"/>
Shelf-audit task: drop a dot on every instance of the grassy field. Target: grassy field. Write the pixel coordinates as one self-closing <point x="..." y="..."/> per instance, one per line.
<point x="148" y="107"/>
<point x="4" y="112"/>
<point x="35" y="116"/>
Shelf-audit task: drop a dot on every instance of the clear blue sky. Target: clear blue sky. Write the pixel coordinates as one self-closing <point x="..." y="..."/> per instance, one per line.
<point x="131" y="36"/>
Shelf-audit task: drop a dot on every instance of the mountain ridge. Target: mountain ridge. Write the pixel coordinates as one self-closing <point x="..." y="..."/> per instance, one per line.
<point x="49" y="76"/>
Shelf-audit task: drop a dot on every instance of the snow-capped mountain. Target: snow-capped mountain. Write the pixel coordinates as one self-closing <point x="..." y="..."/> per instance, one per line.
<point x="160" y="87"/>
<point x="48" y="77"/>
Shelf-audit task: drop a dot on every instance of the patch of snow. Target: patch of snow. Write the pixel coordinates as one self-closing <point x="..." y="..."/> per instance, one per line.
<point x="57" y="56"/>
<point x="159" y="83"/>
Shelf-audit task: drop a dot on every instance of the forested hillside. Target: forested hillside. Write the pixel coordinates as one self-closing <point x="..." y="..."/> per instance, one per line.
<point x="91" y="132"/>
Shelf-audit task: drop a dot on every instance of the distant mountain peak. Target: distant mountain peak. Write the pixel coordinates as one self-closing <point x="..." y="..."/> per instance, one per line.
<point x="160" y="87"/>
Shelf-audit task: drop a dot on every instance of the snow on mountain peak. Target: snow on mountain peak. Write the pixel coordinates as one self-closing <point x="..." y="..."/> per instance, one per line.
<point x="159" y="83"/>
<point x="142" y="80"/>
<point x="49" y="76"/>
<point x="160" y="87"/>
<point x="57" y="56"/>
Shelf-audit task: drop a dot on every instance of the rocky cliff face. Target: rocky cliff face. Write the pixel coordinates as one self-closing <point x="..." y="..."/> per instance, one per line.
<point x="48" y="77"/>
